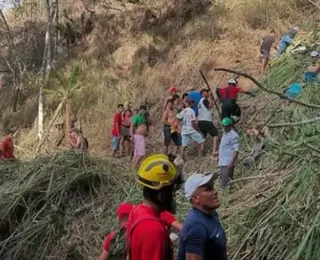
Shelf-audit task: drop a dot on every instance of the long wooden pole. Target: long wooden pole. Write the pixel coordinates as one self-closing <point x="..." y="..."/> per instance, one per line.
<point x="214" y="101"/>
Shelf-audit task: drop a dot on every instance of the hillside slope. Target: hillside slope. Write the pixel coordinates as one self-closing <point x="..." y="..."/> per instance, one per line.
<point x="61" y="206"/>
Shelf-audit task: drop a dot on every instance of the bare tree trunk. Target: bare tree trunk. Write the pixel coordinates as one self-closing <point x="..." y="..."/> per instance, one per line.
<point x="53" y="119"/>
<point x="68" y="120"/>
<point x="46" y="67"/>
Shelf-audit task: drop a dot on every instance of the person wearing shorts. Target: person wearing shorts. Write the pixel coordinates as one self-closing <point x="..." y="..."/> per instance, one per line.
<point x="116" y="130"/>
<point x="190" y="129"/>
<point x="125" y="132"/>
<point x="139" y="130"/>
<point x="205" y="119"/>
<point x="170" y="128"/>
<point x="267" y="42"/>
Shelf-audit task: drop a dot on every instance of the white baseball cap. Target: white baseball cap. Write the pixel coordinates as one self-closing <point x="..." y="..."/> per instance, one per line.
<point x="194" y="182"/>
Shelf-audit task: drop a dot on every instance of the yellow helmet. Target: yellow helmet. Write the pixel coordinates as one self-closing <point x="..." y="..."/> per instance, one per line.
<point x="156" y="172"/>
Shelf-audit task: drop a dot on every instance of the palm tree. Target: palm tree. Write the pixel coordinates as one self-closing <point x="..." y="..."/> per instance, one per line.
<point x="66" y="88"/>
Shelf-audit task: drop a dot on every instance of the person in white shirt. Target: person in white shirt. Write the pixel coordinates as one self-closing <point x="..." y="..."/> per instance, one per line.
<point x="190" y="128"/>
<point x="228" y="152"/>
<point x="205" y="119"/>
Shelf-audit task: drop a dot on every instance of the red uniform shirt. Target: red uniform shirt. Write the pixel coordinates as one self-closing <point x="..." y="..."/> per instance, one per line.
<point x="7" y="147"/>
<point x="233" y="92"/>
<point x="117" y="120"/>
<point x="149" y="239"/>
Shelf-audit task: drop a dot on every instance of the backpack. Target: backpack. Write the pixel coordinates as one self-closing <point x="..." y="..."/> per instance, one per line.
<point x="117" y="249"/>
<point x="130" y="232"/>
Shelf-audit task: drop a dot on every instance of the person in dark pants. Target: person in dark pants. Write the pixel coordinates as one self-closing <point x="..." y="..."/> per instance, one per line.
<point x="228" y="98"/>
<point x="205" y="119"/>
<point x="202" y="236"/>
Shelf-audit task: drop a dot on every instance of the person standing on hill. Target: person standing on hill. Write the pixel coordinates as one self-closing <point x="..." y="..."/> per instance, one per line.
<point x="147" y="234"/>
<point x="268" y="42"/>
<point x="190" y="129"/>
<point x="7" y="146"/>
<point x="228" y="151"/>
<point x="172" y="91"/>
<point x="205" y="119"/>
<point x="139" y="129"/>
<point x="170" y="128"/>
<point x="202" y="236"/>
<point x="228" y="99"/>
<point x="77" y="141"/>
<point x="125" y="132"/>
<point x="116" y="130"/>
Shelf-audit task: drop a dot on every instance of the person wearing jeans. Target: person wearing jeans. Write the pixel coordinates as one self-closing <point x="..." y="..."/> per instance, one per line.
<point x="228" y="152"/>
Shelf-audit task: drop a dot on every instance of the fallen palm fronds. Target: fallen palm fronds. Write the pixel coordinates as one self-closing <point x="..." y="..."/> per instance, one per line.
<point x="277" y="217"/>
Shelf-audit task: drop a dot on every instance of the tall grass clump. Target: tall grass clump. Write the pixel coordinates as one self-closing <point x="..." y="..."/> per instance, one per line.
<point x="282" y="219"/>
<point x="50" y="200"/>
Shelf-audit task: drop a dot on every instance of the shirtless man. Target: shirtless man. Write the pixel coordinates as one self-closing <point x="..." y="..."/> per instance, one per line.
<point x="77" y="141"/>
<point x="172" y="91"/>
<point x="139" y="129"/>
<point x="170" y="128"/>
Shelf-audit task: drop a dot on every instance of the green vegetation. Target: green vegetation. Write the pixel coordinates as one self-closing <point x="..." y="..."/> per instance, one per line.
<point x="282" y="219"/>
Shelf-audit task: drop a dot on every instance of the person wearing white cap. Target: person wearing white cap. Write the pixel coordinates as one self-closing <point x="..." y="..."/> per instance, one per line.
<point x="202" y="236"/>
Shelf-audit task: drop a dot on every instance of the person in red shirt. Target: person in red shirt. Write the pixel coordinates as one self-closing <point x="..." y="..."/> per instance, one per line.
<point x="228" y="99"/>
<point x="123" y="215"/>
<point x="123" y="212"/>
<point x="147" y="235"/>
<point x="7" y="146"/>
<point x="116" y="130"/>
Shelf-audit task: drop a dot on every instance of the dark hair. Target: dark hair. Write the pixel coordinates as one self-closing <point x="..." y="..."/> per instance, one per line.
<point x="9" y="131"/>
<point x="143" y="107"/>
<point x="202" y="91"/>
<point x="135" y="110"/>
<point x="163" y="198"/>
<point x="170" y="100"/>
<point x="120" y="105"/>
<point x="75" y="130"/>
<point x="128" y="110"/>
<point x="272" y="31"/>
<point x="175" y="96"/>
<point x="185" y="95"/>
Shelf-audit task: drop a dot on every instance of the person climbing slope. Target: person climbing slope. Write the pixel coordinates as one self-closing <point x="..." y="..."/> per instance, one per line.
<point x="205" y="119"/>
<point x="139" y="129"/>
<point x="190" y="129"/>
<point x="7" y="146"/>
<point x="116" y="129"/>
<point x="228" y="98"/>
<point x="170" y="128"/>
<point x="286" y="40"/>
<point x="228" y="151"/>
<point x="147" y="236"/>
<point x="202" y="236"/>
<point x="268" y="42"/>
